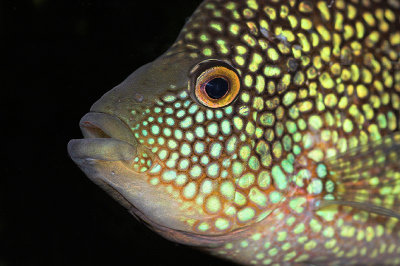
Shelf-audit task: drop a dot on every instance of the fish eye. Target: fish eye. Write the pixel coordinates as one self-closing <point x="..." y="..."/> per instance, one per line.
<point x="215" y="84"/>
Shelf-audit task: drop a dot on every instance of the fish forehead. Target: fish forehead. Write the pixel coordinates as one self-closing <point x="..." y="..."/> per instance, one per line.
<point x="317" y="77"/>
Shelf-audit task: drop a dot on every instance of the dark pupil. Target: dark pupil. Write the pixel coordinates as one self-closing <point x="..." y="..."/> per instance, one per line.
<point x="216" y="88"/>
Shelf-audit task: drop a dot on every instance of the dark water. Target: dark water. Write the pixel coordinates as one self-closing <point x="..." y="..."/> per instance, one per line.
<point x="60" y="56"/>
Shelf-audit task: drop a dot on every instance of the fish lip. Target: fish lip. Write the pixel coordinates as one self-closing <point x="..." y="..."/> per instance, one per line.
<point x="104" y="125"/>
<point x="104" y="149"/>
<point x="106" y="137"/>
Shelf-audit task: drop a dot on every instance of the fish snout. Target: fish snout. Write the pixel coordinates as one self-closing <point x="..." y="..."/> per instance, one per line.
<point x="106" y="137"/>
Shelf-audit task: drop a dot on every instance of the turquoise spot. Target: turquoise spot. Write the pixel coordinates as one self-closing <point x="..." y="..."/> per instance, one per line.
<point x="275" y="196"/>
<point x="187" y="122"/>
<point x="204" y="159"/>
<point x="172" y="144"/>
<point x="258" y="197"/>
<point x="226" y="163"/>
<point x="199" y="147"/>
<point x="183" y="94"/>
<point x="228" y="110"/>
<point x="178" y="134"/>
<point x="231" y="144"/>
<point x="221" y="224"/>
<point x="227" y="189"/>
<point x="237" y="169"/>
<point x="212" y="170"/>
<point x="254" y="163"/>
<point x="190" y="190"/>
<point x="219" y="114"/>
<point x="213" y="204"/>
<point x="246" y="214"/>
<point x="315" y="122"/>
<point x="186" y="149"/>
<point x="200" y="117"/>
<point x="161" y="140"/>
<point x="279" y="177"/>
<point x="169" y="110"/>
<point x="195" y="171"/>
<point x="287" y="166"/>
<point x="169" y="175"/>
<point x="163" y="154"/>
<point x="329" y="186"/>
<point x="224" y="173"/>
<point x="181" y="179"/>
<point x="215" y="150"/>
<point x="321" y="170"/>
<point x="315" y="187"/>
<point x="169" y="98"/>
<point x="180" y="114"/>
<point x="199" y="131"/>
<point x="167" y="132"/>
<point x="193" y="109"/>
<point x="189" y="136"/>
<point x="226" y="127"/>
<point x="155" y="130"/>
<point x="246" y="180"/>
<point x="212" y="129"/>
<point x="264" y="179"/>
<point x="155" y="169"/>
<point x="209" y="114"/>
<point x="184" y="164"/>
<point x="207" y="187"/>
<point x="170" y="121"/>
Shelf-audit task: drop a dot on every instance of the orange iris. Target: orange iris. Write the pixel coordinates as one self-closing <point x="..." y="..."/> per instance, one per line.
<point x="212" y="79"/>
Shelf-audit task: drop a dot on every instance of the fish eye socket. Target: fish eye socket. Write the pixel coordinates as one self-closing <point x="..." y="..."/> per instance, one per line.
<point x="215" y="84"/>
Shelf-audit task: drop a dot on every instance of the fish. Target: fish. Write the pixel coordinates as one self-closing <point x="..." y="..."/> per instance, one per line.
<point x="267" y="134"/>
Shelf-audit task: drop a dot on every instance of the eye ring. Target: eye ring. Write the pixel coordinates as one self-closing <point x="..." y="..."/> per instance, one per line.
<point x="215" y="84"/>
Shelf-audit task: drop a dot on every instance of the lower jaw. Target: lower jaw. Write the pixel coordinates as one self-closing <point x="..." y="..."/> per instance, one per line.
<point x="105" y="149"/>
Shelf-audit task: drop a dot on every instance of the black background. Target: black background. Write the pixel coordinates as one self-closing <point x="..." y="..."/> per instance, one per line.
<point x="61" y="56"/>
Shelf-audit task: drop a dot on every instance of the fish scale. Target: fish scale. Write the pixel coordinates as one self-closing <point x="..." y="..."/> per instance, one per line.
<point x="302" y="166"/>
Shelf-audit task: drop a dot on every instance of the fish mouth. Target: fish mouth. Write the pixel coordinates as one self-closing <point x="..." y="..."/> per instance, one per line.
<point x="106" y="155"/>
<point x="106" y="138"/>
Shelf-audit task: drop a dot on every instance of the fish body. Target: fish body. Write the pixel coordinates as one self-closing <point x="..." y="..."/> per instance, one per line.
<point x="267" y="134"/>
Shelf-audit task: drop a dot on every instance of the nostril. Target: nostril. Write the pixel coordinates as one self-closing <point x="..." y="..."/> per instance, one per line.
<point x="92" y="131"/>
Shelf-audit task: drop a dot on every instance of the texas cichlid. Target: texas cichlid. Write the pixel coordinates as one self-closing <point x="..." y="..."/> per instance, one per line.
<point x="267" y="134"/>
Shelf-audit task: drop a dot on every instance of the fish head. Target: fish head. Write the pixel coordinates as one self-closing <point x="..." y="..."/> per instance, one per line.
<point x="188" y="142"/>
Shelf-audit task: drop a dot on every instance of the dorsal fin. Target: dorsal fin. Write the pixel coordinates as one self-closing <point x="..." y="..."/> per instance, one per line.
<point x="368" y="177"/>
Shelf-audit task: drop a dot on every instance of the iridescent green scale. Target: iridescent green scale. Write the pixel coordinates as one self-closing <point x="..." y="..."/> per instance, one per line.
<point x="317" y="116"/>
<point x="318" y="79"/>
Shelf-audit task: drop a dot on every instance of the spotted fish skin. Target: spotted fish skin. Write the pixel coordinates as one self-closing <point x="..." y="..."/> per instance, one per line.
<point x="249" y="182"/>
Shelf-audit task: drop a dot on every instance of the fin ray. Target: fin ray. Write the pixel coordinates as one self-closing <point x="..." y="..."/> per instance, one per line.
<point x="368" y="177"/>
